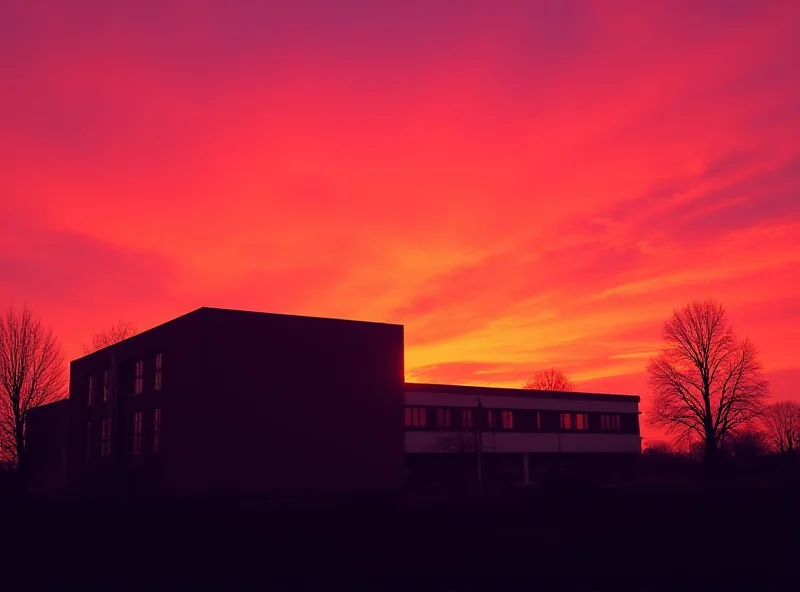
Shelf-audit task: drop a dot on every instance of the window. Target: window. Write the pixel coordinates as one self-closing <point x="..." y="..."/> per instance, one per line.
<point x="575" y="421"/>
<point x="90" y="391"/>
<point x="106" y="379"/>
<point x="443" y="418"/>
<point x="610" y="423"/>
<point x="137" y="433"/>
<point x="159" y="365"/>
<point x="137" y="387"/>
<point x="538" y="421"/>
<point x="105" y="442"/>
<point x="416" y="417"/>
<point x="156" y="430"/>
<point x="89" y="440"/>
<point x="490" y="419"/>
<point x="466" y="419"/>
<point x="508" y="420"/>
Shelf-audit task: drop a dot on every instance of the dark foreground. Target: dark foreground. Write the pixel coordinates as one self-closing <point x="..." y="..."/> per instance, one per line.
<point x="578" y="539"/>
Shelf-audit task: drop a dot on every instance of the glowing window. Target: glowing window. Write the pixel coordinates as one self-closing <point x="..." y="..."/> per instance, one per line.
<point x="137" y="387"/>
<point x="159" y="366"/>
<point x="416" y="417"/>
<point x="610" y="422"/>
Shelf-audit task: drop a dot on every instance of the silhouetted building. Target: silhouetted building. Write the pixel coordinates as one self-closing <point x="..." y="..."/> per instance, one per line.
<point x="220" y="402"/>
<point x="232" y="402"/>
<point x="523" y="435"/>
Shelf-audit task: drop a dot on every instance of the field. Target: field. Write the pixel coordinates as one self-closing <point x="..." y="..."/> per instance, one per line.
<point x="576" y="539"/>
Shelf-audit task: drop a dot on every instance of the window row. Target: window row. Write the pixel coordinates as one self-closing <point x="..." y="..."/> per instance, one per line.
<point x="136" y="443"/>
<point x="521" y="420"/>
<point x="138" y="380"/>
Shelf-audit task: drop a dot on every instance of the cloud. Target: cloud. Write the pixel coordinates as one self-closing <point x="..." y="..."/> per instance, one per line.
<point x="78" y="271"/>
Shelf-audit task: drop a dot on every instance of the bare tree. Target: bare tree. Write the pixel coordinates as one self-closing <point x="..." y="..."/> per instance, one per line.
<point x="114" y="334"/>
<point x="705" y="382"/>
<point x="550" y="379"/>
<point x="31" y="374"/>
<point x="781" y="425"/>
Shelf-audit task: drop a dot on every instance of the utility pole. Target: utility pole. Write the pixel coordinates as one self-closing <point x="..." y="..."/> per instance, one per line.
<point x="479" y="443"/>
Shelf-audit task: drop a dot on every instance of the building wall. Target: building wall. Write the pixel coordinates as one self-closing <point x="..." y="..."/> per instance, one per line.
<point x="122" y="471"/>
<point x="589" y="403"/>
<point x="46" y="432"/>
<point x="298" y="403"/>
<point x="535" y="423"/>
<point x="522" y="435"/>
<point x="442" y="442"/>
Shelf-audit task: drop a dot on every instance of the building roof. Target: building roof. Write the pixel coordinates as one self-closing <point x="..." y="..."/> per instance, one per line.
<point x="213" y="314"/>
<point x="229" y="311"/>
<point x="488" y="391"/>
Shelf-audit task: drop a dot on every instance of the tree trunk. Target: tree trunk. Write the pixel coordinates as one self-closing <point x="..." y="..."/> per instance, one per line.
<point x="711" y="464"/>
<point x="22" y="464"/>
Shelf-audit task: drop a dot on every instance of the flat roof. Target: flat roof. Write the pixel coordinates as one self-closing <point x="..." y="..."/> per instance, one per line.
<point x="491" y="391"/>
<point x="238" y="311"/>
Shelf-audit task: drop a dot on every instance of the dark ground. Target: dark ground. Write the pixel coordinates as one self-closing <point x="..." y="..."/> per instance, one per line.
<point x="577" y="539"/>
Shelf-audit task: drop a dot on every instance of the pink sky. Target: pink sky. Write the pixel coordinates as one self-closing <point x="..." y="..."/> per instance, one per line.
<point x="520" y="184"/>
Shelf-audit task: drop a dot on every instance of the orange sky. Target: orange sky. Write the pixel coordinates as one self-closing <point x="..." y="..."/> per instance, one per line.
<point x="520" y="184"/>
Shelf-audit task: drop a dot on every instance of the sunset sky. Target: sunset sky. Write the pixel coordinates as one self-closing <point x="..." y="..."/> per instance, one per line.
<point x="520" y="184"/>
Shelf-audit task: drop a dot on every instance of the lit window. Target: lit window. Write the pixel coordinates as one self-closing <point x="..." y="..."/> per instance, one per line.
<point x="105" y="442"/>
<point x="508" y="420"/>
<point x="538" y="421"/>
<point x="582" y="421"/>
<point x="90" y="391"/>
<point x="157" y="430"/>
<point x="466" y="418"/>
<point x="609" y="422"/>
<point x="443" y="418"/>
<point x="137" y="387"/>
<point x="137" y="433"/>
<point x="566" y="421"/>
<point x="106" y="379"/>
<point x="490" y="419"/>
<point x="159" y="363"/>
<point x="416" y="417"/>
